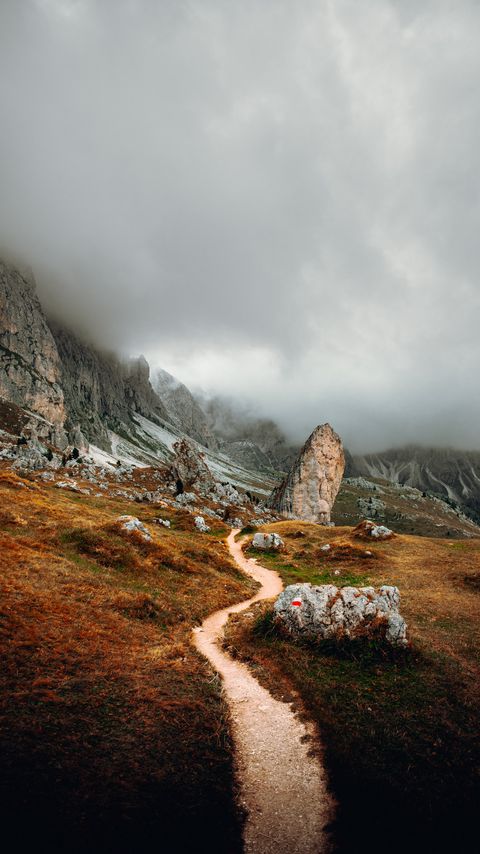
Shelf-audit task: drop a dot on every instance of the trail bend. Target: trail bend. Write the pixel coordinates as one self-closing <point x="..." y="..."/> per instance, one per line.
<point x="283" y="788"/>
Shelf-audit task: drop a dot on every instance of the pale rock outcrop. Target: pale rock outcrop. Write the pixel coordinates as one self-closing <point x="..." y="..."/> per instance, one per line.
<point x="268" y="542"/>
<point x="201" y="525"/>
<point x="226" y="493"/>
<point x="186" y="498"/>
<point x="131" y="523"/>
<point x="78" y="440"/>
<point x="189" y="469"/>
<point x="367" y="530"/>
<point x="311" y="486"/>
<point x="29" y="359"/>
<point x="327" y="612"/>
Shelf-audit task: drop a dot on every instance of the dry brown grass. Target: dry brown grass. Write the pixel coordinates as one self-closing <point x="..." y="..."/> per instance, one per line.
<point x="112" y="727"/>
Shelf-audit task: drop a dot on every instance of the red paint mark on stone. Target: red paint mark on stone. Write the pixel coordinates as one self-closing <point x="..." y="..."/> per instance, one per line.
<point x="297" y="602"/>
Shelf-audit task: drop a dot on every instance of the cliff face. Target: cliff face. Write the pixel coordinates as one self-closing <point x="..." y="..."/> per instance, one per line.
<point x="183" y="410"/>
<point x="101" y="392"/>
<point x="311" y="486"/>
<point x="29" y="362"/>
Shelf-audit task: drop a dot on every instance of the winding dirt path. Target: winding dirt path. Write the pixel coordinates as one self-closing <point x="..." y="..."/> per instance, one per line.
<point x="282" y="787"/>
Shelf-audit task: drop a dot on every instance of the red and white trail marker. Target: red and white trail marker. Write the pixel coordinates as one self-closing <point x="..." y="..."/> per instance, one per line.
<point x="296" y="603"/>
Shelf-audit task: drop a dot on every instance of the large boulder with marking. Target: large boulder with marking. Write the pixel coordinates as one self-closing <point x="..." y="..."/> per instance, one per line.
<point x="327" y="612"/>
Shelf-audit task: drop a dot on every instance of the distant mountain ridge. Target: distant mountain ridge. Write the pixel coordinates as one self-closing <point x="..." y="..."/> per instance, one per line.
<point x="69" y="389"/>
<point x="52" y="373"/>
<point x="448" y="472"/>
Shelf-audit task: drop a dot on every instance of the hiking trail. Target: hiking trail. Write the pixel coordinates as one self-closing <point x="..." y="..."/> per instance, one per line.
<point x="282" y="783"/>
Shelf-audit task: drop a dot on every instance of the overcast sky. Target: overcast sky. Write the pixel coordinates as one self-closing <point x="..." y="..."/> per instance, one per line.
<point x="276" y="200"/>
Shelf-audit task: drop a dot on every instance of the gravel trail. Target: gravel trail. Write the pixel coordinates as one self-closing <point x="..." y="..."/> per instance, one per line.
<point x="283" y="787"/>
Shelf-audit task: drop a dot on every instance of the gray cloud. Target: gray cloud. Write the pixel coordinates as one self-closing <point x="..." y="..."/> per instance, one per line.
<point x="275" y="199"/>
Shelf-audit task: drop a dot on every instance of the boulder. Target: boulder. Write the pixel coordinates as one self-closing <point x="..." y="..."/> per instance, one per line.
<point x="368" y="530"/>
<point x="201" y="525"/>
<point x="78" y="440"/>
<point x="327" y="612"/>
<point x="268" y="542"/>
<point x="311" y="486"/>
<point x="131" y="523"/>
<point x="189" y="469"/>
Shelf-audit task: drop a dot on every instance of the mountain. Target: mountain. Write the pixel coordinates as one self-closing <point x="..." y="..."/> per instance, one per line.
<point x="102" y="393"/>
<point x="449" y="473"/>
<point x="256" y="443"/>
<point x="30" y="366"/>
<point x="183" y="409"/>
<point x="70" y="392"/>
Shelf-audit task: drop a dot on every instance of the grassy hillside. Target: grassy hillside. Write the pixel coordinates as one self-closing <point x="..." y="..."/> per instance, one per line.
<point x="113" y="730"/>
<point x="400" y="730"/>
<point x="407" y="510"/>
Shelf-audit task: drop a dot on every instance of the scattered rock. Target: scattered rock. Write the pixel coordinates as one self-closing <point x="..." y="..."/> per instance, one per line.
<point x="186" y="498"/>
<point x="68" y="484"/>
<point x="325" y="548"/>
<point x="327" y="612"/>
<point x="201" y="525"/>
<point x="368" y="530"/>
<point x="225" y="493"/>
<point x="268" y="542"/>
<point x="131" y="523"/>
<point x="165" y="522"/>
<point x="371" y="507"/>
<point x="311" y="486"/>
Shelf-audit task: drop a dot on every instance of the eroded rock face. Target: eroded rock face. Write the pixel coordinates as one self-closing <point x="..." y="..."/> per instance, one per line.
<point x="29" y="359"/>
<point x="311" y="486"/>
<point x="189" y="468"/>
<point x="331" y="613"/>
<point x="183" y="410"/>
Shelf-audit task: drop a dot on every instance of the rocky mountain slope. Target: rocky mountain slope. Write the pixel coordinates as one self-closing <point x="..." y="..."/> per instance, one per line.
<point x="69" y="391"/>
<point x="256" y="443"/>
<point x="454" y="475"/>
<point x="183" y="409"/>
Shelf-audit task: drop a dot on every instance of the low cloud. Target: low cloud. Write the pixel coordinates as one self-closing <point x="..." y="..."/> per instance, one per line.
<point x="276" y="201"/>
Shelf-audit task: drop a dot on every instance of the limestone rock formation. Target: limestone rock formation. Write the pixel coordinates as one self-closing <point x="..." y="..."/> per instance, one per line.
<point x="311" y="486"/>
<point x="29" y="360"/>
<point x="101" y="392"/>
<point x="183" y="410"/>
<point x="189" y="469"/>
<point x="331" y="613"/>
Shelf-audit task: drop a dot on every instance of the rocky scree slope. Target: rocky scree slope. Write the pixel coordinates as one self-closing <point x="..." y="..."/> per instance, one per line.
<point x="448" y="473"/>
